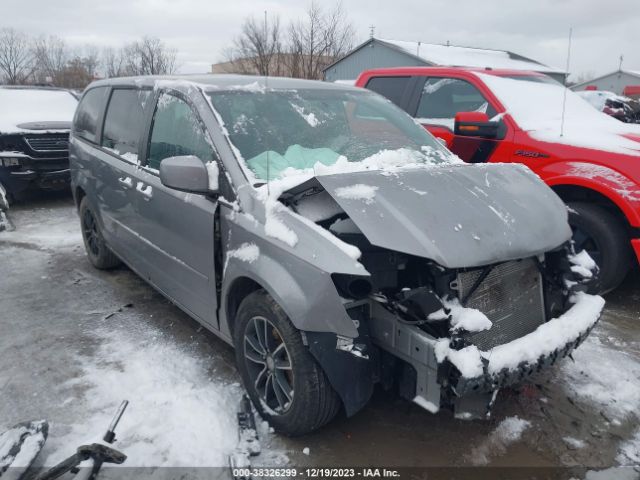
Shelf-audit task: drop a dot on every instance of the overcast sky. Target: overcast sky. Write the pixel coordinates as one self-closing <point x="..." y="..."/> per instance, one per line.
<point x="201" y="29"/>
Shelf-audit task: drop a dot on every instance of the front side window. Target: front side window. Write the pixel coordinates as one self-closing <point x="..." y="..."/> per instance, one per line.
<point x="124" y="121"/>
<point x="177" y="131"/>
<point x="86" y="121"/>
<point x="442" y="98"/>
<point x="391" y="87"/>
<point x="280" y="133"/>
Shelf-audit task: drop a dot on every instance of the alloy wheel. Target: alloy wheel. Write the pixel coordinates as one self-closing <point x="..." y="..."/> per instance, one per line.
<point x="269" y="365"/>
<point x="90" y="231"/>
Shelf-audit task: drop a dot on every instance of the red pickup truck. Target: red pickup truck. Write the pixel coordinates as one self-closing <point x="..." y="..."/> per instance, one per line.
<point x="591" y="160"/>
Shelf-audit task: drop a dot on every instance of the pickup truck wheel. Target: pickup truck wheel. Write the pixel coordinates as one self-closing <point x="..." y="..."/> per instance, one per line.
<point x="283" y="380"/>
<point x="97" y="250"/>
<point x="604" y="238"/>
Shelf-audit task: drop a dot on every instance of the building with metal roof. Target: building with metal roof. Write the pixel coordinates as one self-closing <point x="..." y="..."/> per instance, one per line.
<point x="384" y="53"/>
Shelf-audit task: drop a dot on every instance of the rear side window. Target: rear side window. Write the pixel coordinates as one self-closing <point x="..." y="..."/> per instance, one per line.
<point x="87" y="115"/>
<point x="442" y="98"/>
<point x="124" y="121"/>
<point x="177" y="131"/>
<point x="391" y="87"/>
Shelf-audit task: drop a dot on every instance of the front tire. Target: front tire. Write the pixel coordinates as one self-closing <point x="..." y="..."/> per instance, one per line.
<point x="604" y="237"/>
<point x="97" y="250"/>
<point x="283" y="380"/>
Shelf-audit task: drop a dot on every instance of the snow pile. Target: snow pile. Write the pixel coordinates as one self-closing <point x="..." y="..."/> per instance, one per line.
<point x="468" y="359"/>
<point x="310" y="117"/>
<point x="214" y="172"/>
<point x="366" y="193"/>
<point x="35" y="105"/>
<point x="462" y="318"/>
<point x="548" y="337"/>
<point x="582" y="264"/>
<point x="574" y="442"/>
<point x="247" y="252"/>
<point x="21" y="444"/>
<point x="274" y="227"/>
<point x="629" y="451"/>
<point x="46" y="231"/>
<point x="179" y="414"/>
<point x="509" y="431"/>
<point x="537" y="108"/>
<point x="254" y="87"/>
<point x="605" y="375"/>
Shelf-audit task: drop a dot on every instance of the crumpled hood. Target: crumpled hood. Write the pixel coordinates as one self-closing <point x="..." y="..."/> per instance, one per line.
<point x="458" y="216"/>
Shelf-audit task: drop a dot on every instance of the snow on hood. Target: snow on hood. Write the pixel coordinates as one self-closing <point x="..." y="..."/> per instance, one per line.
<point x="457" y="216"/>
<point x="537" y="109"/>
<point x="25" y="110"/>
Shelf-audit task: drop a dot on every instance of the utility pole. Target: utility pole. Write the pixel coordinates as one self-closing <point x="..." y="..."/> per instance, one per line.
<point x="620" y="65"/>
<point x="372" y="30"/>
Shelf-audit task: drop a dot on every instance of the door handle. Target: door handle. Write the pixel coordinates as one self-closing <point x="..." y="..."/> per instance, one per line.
<point x="147" y="191"/>
<point x="127" y="182"/>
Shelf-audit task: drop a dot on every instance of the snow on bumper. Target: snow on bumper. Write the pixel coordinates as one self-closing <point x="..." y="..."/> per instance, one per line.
<point x="509" y="363"/>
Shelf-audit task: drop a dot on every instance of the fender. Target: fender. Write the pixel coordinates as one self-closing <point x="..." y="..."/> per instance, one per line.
<point x="621" y="190"/>
<point x="308" y="296"/>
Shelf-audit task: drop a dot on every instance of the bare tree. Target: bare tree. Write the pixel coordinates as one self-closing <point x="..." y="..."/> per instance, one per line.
<point x="257" y="50"/>
<point x="318" y="40"/>
<point x="51" y="56"/>
<point x="16" y="58"/>
<point x="148" y="56"/>
<point x="113" y="62"/>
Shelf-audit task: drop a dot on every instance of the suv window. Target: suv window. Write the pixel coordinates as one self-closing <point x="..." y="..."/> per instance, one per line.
<point x="442" y="98"/>
<point x="177" y="130"/>
<point x="86" y="121"/>
<point x="124" y="121"/>
<point x="390" y="87"/>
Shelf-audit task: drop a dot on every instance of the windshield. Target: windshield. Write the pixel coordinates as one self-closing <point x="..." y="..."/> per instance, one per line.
<point x="284" y="132"/>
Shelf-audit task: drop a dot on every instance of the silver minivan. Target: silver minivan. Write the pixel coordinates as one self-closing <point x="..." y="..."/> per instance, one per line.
<point x="329" y="238"/>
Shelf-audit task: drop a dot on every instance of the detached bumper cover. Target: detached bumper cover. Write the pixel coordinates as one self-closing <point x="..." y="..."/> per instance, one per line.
<point x="478" y="372"/>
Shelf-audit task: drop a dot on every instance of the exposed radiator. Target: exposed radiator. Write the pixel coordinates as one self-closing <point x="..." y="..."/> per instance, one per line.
<point x="511" y="296"/>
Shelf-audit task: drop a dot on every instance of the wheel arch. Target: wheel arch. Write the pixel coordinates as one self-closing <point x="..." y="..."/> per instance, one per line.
<point x="579" y="180"/>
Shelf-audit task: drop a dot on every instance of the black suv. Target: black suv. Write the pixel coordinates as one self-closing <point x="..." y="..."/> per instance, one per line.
<point x="34" y="137"/>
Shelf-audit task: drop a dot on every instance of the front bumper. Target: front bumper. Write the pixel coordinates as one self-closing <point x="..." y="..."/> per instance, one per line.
<point x="44" y="173"/>
<point x="489" y="382"/>
<point x="438" y="366"/>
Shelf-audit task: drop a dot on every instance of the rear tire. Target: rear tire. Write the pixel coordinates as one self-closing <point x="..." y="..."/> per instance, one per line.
<point x="313" y="402"/>
<point x="97" y="250"/>
<point x="604" y="237"/>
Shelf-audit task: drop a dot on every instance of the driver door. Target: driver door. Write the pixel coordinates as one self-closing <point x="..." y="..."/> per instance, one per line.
<point x="178" y="227"/>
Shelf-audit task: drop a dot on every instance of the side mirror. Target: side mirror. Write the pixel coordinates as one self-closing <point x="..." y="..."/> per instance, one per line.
<point x="475" y="124"/>
<point x="186" y="173"/>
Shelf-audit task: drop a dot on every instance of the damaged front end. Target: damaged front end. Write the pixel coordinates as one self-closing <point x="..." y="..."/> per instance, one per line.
<point x="457" y="309"/>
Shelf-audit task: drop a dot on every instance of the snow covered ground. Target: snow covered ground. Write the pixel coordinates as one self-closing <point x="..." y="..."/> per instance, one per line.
<point x="76" y="341"/>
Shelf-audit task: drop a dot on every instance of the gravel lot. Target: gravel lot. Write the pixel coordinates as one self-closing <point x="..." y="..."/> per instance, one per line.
<point x="75" y="341"/>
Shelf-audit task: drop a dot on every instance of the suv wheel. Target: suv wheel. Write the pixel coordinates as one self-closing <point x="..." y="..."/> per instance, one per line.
<point x="99" y="254"/>
<point x="283" y="380"/>
<point x="604" y="237"/>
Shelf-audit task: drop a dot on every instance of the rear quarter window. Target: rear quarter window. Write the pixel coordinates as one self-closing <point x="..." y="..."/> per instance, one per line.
<point x="85" y="124"/>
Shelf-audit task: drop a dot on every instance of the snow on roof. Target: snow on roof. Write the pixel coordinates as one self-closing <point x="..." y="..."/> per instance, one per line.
<point x="22" y="105"/>
<point x="469" y="57"/>
<point x="537" y="108"/>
